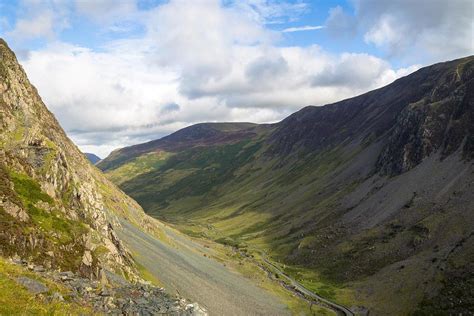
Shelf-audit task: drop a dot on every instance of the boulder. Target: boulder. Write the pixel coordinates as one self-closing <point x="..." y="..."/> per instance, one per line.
<point x="32" y="285"/>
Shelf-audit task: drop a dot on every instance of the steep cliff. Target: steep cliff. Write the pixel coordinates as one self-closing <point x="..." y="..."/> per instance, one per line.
<point x="56" y="209"/>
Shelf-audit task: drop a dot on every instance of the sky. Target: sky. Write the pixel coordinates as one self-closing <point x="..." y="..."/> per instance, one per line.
<point x="122" y="72"/>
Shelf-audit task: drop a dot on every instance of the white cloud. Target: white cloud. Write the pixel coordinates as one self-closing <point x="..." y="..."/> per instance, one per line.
<point x="423" y="31"/>
<point x="98" y="9"/>
<point x="340" y="23"/>
<point x="198" y="61"/>
<point x="271" y="11"/>
<point x="303" y="28"/>
<point x="40" y="19"/>
<point x="41" y="26"/>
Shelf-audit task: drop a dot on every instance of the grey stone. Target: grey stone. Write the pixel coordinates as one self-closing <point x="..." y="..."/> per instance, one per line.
<point x="57" y="297"/>
<point x="104" y="292"/>
<point x="66" y="276"/>
<point x="141" y="301"/>
<point x="32" y="285"/>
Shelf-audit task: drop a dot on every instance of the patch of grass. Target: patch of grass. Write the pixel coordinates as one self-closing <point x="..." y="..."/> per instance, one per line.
<point x="54" y="222"/>
<point x="28" y="189"/>
<point x="100" y="251"/>
<point x="50" y="221"/>
<point x="212" y="166"/>
<point x="140" y="165"/>
<point x="147" y="275"/>
<point x="49" y="225"/>
<point x="455" y="298"/>
<point x="228" y="242"/>
<point x="16" y="300"/>
<point x="312" y="280"/>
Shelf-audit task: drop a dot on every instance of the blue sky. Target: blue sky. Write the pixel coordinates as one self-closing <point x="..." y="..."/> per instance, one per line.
<point x="84" y="31"/>
<point x="117" y="73"/>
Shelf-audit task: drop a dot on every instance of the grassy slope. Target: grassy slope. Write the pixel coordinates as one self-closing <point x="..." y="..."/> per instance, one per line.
<point x="45" y="174"/>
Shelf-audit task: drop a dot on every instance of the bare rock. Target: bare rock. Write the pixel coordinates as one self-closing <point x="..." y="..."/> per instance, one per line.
<point x="15" y="211"/>
<point x="87" y="258"/>
<point x="32" y="285"/>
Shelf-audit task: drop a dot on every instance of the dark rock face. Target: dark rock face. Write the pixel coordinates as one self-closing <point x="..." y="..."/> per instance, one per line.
<point x="93" y="158"/>
<point x="415" y="116"/>
<point x="440" y="121"/>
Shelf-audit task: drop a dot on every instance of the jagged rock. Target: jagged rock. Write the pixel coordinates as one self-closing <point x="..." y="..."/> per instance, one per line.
<point x="69" y="188"/>
<point x="105" y="292"/>
<point x="57" y="297"/>
<point x="87" y="258"/>
<point x="14" y="210"/>
<point x="39" y="268"/>
<point x="66" y="276"/>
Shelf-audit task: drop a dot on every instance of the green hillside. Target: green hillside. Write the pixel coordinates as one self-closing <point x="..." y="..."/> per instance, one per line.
<point x="361" y="201"/>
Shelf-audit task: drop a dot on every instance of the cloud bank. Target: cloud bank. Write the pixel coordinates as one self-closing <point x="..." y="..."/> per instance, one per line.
<point x="209" y="60"/>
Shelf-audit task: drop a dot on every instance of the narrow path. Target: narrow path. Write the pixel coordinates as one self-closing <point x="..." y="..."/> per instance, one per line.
<point x="182" y="268"/>
<point x="337" y="307"/>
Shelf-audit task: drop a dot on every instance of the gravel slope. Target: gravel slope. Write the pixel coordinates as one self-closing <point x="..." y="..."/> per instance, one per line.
<point x="181" y="268"/>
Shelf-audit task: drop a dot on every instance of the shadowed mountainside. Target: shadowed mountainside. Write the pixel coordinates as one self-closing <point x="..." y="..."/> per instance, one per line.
<point x="92" y="158"/>
<point x="368" y="201"/>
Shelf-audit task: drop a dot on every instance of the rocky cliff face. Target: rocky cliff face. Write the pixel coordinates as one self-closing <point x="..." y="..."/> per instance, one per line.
<point x="422" y="113"/>
<point x="55" y="208"/>
<point x="441" y="120"/>
<point x="58" y="219"/>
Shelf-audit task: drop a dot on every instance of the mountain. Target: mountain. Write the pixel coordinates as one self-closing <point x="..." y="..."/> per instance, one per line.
<point x="92" y="158"/>
<point x="60" y="218"/>
<point x="368" y="201"/>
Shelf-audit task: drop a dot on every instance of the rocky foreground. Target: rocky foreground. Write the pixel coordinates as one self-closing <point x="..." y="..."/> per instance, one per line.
<point x="110" y="295"/>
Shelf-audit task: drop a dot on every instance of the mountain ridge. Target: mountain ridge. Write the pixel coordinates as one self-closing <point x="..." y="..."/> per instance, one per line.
<point x="93" y="158"/>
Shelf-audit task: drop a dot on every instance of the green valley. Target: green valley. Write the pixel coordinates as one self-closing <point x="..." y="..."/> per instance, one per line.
<point x="341" y="197"/>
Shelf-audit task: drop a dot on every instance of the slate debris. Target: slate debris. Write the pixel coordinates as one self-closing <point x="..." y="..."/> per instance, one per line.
<point x="32" y="285"/>
<point x="119" y="297"/>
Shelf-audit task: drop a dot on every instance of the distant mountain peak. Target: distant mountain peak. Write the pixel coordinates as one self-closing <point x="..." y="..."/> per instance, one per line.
<point x="93" y="158"/>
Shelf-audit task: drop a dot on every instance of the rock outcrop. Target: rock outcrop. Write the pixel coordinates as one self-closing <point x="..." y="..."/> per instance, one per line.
<point x="59" y="212"/>
<point x="117" y="297"/>
<point x="52" y="200"/>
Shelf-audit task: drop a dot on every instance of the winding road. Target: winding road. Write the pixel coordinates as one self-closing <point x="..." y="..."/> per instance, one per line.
<point x="340" y="309"/>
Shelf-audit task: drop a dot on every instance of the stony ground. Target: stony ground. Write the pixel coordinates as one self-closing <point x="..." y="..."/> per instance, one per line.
<point x="111" y="295"/>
